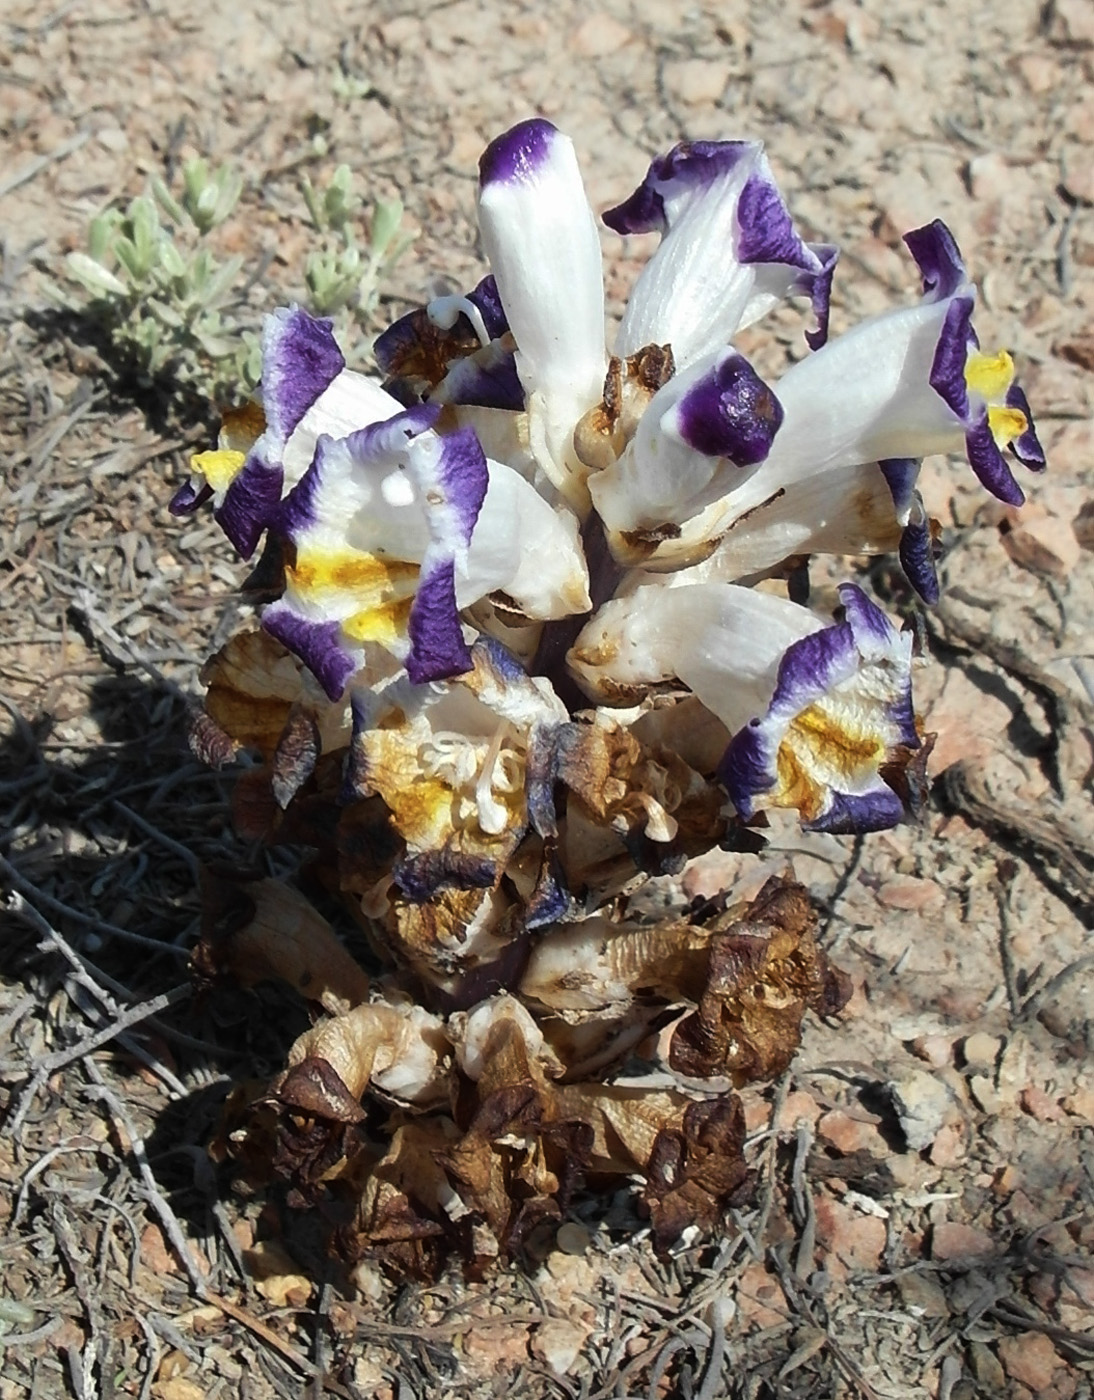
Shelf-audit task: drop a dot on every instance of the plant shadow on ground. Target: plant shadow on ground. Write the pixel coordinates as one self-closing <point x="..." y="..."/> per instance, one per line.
<point x="107" y="844"/>
<point x="168" y="404"/>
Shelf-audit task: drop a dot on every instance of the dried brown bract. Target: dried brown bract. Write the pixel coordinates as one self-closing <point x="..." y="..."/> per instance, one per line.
<point x="264" y="930"/>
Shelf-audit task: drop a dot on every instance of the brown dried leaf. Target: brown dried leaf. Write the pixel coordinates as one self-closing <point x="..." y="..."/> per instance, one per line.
<point x="659" y="807"/>
<point x="597" y="967"/>
<point x="625" y="1121"/>
<point x="401" y="1211"/>
<point x="462" y="943"/>
<point x="296" y="754"/>
<point x="516" y="1165"/>
<point x="276" y="1275"/>
<point x="589" y="1045"/>
<point x="401" y="1050"/>
<point x="252" y="684"/>
<point x="313" y="1088"/>
<point x="209" y="743"/>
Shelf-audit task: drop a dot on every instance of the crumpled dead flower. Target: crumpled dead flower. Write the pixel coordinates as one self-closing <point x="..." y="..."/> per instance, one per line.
<point x="459" y="1132"/>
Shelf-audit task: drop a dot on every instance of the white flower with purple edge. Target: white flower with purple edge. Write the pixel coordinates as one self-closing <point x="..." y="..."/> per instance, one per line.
<point x="695" y="469"/>
<point x="816" y="709"/>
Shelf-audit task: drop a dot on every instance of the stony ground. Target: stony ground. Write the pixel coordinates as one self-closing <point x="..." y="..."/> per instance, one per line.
<point x="924" y="1221"/>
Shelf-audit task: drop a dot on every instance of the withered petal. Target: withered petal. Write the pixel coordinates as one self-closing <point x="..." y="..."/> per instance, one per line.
<point x="264" y="930"/>
<point x="764" y="971"/>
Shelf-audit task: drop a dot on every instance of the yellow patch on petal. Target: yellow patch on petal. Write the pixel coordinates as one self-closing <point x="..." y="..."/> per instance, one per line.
<point x="1006" y="424"/>
<point x="421" y="807"/>
<point x="820" y="751"/>
<point x="422" y="813"/>
<point x="219" y="468"/>
<point x="990" y="376"/>
<point x="370" y="580"/>
<point x="385" y="624"/>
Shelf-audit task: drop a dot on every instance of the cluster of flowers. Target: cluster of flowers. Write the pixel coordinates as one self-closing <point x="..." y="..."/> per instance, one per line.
<point x="516" y="658"/>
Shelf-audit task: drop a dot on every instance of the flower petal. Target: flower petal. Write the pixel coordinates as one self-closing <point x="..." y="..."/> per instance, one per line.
<point x="720" y="640"/>
<point x="698" y="432"/>
<point x="381" y="524"/>
<point x="1027" y="446"/>
<point x="939" y="260"/>
<point x="245" y="476"/>
<point x="318" y="644"/>
<point x="840" y="712"/>
<point x="300" y="358"/>
<point x="729" y="250"/>
<point x="451" y="350"/>
<point x="526" y="549"/>
<point x="916" y="549"/>
<point x="544" y="250"/>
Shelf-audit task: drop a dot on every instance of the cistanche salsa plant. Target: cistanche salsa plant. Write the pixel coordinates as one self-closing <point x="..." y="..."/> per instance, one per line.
<point x="524" y="646"/>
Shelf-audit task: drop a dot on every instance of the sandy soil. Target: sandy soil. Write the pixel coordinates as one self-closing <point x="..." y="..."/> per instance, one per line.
<point x="925" y="1216"/>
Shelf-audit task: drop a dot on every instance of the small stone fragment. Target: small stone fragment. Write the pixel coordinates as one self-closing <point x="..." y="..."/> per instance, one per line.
<point x="948" y="1147"/>
<point x="986" y="1368"/>
<point x="1080" y="1104"/>
<point x="980" y="1050"/>
<point x="1040" y="72"/>
<point x="989" y="176"/>
<point x="1030" y="1358"/>
<point x="1079" y="1284"/>
<point x="849" y="1135"/>
<point x="1078" y="174"/>
<point x="1072" y="23"/>
<point x="757" y="1112"/>
<point x="968" y="721"/>
<point x="798" y="1106"/>
<point x="923" y="1295"/>
<point x="599" y="36"/>
<point x="558" y="1343"/>
<point x="984" y="1093"/>
<point x="937" y="1050"/>
<point x="858" y="1240"/>
<point x="911" y="892"/>
<point x="697" y="81"/>
<point x="760" y="1301"/>
<point x="954" y="1240"/>
<point x="922" y="1103"/>
<point x="179" y="1388"/>
<point x="1040" y="1105"/>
